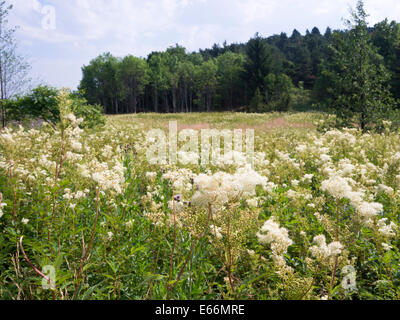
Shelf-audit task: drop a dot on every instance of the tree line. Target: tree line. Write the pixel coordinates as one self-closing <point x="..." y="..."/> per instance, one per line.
<point x="354" y="73"/>
<point x="256" y="76"/>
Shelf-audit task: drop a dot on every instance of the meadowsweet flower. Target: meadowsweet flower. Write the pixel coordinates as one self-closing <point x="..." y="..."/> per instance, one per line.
<point x="71" y="117"/>
<point x="2" y="205"/>
<point x="129" y="224"/>
<point x="385" y="189"/>
<point x="295" y="182"/>
<point x="307" y="178"/>
<point x="67" y="195"/>
<point x="386" y="246"/>
<point x="216" y="231"/>
<point x="301" y="148"/>
<point x="272" y="233"/>
<point x="368" y="210"/>
<point x="107" y="151"/>
<point x="387" y="230"/>
<point x="322" y="251"/>
<point x="151" y="175"/>
<point x="252" y="202"/>
<point x="336" y="186"/>
<point x="79" y="195"/>
<point x="222" y="187"/>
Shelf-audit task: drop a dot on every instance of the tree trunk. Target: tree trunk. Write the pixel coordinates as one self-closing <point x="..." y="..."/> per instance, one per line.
<point x="155" y="100"/>
<point x="166" y="101"/>
<point x="174" y="100"/>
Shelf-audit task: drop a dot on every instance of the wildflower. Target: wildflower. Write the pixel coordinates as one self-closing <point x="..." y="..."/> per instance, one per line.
<point x="271" y="233"/>
<point x="368" y="210"/>
<point x="2" y="205"/>
<point x="71" y="117"/>
<point x="252" y="202"/>
<point x="295" y="182"/>
<point x="386" y="247"/>
<point x="25" y="221"/>
<point x="308" y="178"/>
<point x="110" y="236"/>
<point x="386" y="230"/>
<point x="129" y="224"/>
<point x="216" y="231"/>
<point x="336" y="186"/>
<point x="322" y="251"/>
<point x="151" y="175"/>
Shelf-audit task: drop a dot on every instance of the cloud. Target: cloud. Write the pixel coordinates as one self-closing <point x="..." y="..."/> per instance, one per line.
<point x="86" y="28"/>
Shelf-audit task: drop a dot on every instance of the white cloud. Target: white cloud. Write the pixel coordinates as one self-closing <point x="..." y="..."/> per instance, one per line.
<point x="253" y="10"/>
<point x="86" y="28"/>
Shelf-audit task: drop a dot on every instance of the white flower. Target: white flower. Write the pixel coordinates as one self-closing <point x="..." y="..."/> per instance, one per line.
<point x="387" y="230"/>
<point x="2" y="205"/>
<point x="295" y="182"/>
<point x="323" y="251"/>
<point x="129" y="224"/>
<point x="110" y="236"/>
<point x="308" y="178"/>
<point x="151" y="175"/>
<point x="71" y="117"/>
<point x="368" y="210"/>
<point x="272" y="234"/>
<point x="253" y="202"/>
<point x="386" y="246"/>
<point x="337" y="186"/>
<point x="216" y="231"/>
<point x="25" y="221"/>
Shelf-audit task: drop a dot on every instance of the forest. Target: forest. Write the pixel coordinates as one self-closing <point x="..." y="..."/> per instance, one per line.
<point x="265" y="74"/>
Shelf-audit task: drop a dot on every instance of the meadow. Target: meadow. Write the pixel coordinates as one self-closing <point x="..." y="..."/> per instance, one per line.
<point x="84" y="215"/>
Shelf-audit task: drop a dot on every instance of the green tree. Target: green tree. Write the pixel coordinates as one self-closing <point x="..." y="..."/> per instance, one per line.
<point x="230" y="68"/>
<point x="40" y="103"/>
<point x="100" y="83"/>
<point x="173" y="57"/>
<point x="256" y="103"/>
<point x="386" y="37"/>
<point x="13" y="67"/>
<point x="186" y="71"/>
<point x="156" y="76"/>
<point x="134" y="76"/>
<point x="92" y="115"/>
<point x="258" y="63"/>
<point x="354" y="82"/>
<point x="278" y="92"/>
<point x="206" y="81"/>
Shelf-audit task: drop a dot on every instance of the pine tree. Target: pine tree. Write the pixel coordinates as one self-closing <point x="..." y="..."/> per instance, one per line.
<point x="258" y="63"/>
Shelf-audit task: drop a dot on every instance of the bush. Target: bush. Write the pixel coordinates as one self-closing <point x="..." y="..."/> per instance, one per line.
<point x="92" y="115"/>
<point x="42" y="104"/>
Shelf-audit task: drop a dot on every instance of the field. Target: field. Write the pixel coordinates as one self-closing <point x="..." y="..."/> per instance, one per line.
<point x="85" y="215"/>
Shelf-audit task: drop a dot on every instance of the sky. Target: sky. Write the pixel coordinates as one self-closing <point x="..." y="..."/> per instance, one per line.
<point x="58" y="37"/>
